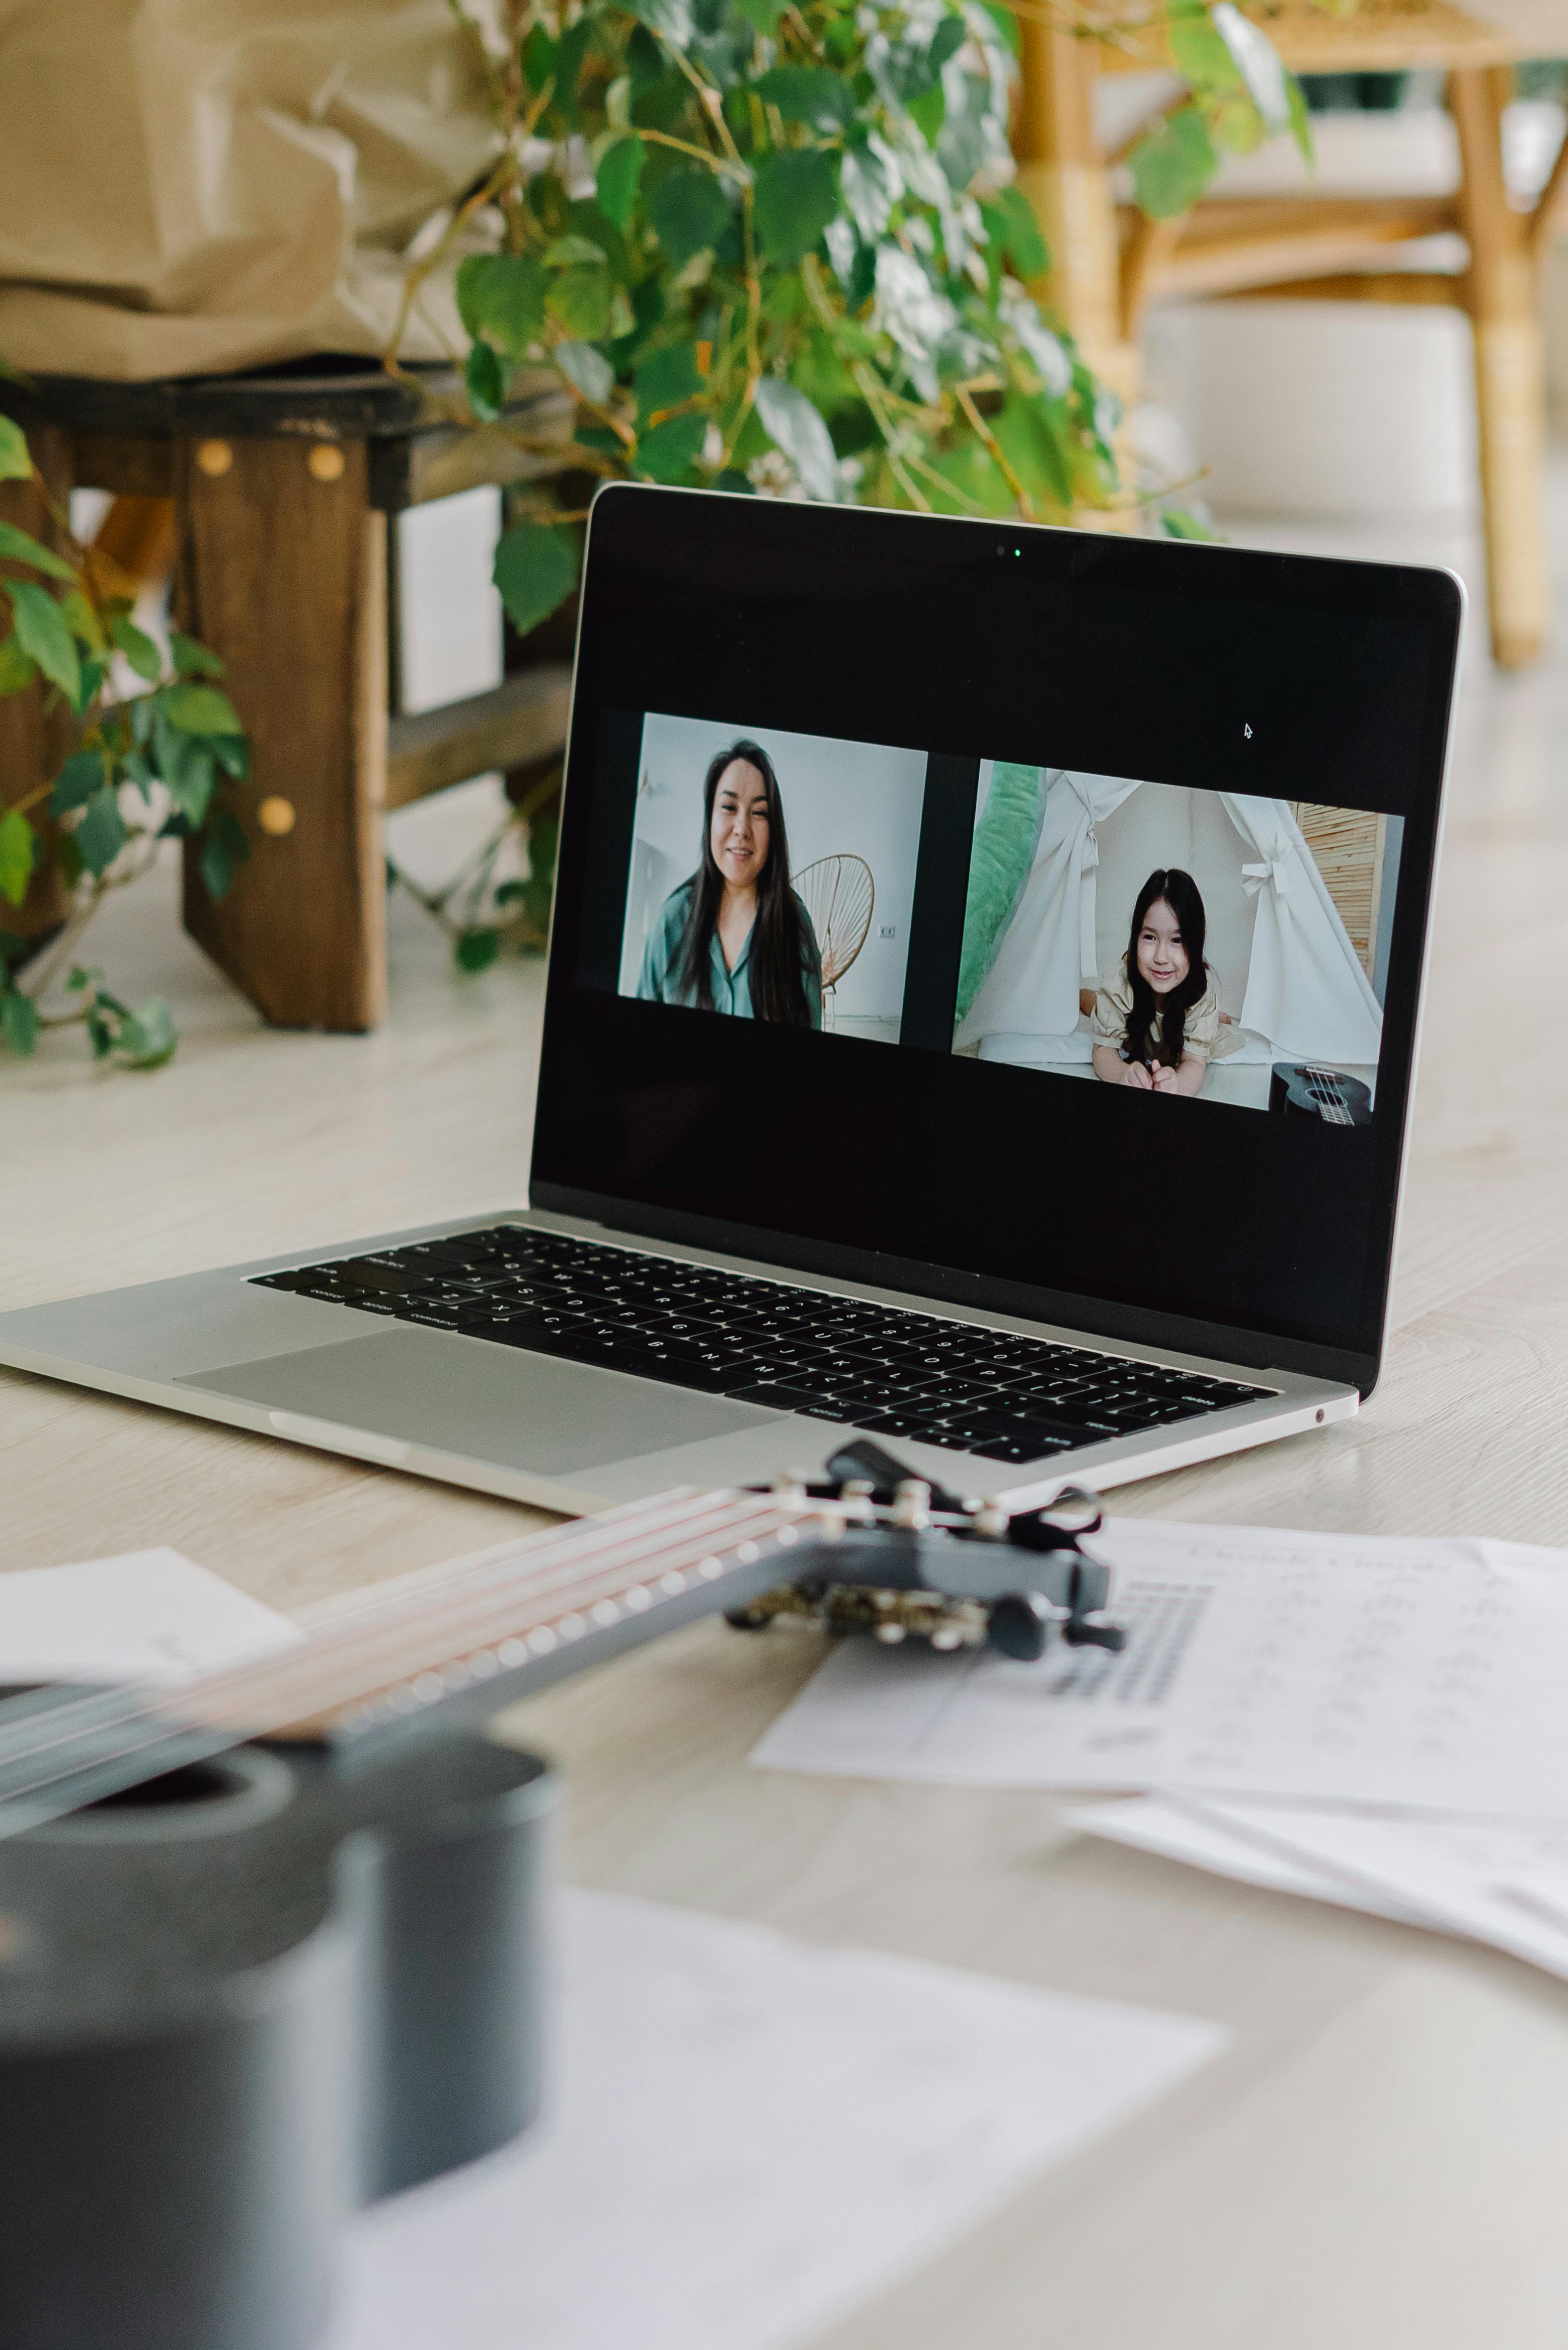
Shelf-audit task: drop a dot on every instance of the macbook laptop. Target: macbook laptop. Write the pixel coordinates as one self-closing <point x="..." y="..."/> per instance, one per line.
<point x="981" y="1011"/>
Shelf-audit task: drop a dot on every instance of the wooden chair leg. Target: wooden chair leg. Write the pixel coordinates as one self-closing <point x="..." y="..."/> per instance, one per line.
<point x="1510" y="376"/>
<point x="37" y="730"/>
<point x="283" y="573"/>
<point x="1064" y="174"/>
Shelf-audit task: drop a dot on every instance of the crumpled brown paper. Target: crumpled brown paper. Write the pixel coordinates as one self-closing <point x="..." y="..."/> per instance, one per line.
<point x="190" y="186"/>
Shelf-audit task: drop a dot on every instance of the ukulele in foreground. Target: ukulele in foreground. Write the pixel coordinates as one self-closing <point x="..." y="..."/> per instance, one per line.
<point x="270" y="1944"/>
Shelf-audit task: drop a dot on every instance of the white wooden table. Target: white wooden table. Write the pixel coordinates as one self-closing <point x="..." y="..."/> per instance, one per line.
<point x="1381" y="2159"/>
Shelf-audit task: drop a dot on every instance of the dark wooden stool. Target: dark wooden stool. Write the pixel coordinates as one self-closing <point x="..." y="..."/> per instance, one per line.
<point x="285" y="484"/>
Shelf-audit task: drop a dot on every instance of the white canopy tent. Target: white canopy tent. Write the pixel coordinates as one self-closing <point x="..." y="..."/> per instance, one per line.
<point x="1289" y="976"/>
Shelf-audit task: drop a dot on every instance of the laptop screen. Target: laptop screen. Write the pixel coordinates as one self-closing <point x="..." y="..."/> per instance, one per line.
<point x="1022" y="917"/>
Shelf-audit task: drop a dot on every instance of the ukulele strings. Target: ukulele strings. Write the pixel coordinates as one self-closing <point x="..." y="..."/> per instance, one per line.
<point x="551" y="1565"/>
<point x="316" y="1682"/>
<point x="77" y="1779"/>
<point x="455" y="1588"/>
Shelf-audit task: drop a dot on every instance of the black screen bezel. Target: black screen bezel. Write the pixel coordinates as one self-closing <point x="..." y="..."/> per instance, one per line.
<point x="1175" y="721"/>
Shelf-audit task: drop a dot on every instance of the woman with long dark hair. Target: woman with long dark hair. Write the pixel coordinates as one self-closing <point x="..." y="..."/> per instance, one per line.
<point x="734" y="936"/>
<point x="1157" y="1019"/>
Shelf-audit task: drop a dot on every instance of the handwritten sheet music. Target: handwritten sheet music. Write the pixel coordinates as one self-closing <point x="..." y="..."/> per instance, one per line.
<point x="752" y="2136"/>
<point x="1423" y="1674"/>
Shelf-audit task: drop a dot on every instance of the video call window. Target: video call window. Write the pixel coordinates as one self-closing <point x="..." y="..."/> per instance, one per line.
<point x="1231" y="948"/>
<point x="1164" y="940"/>
<point x="773" y="875"/>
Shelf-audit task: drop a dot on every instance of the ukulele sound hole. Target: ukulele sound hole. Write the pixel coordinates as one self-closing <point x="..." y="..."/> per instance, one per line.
<point x="195" y="1782"/>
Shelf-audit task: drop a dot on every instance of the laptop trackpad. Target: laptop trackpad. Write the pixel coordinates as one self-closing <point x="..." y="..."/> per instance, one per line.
<point x="492" y="1403"/>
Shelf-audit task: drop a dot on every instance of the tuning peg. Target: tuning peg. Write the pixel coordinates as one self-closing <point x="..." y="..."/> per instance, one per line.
<point x="1079" y="1634"/>
<point x="991" y="1518"/>
<point x="1019" y="1626"/>
<point x="912" y="1504"/>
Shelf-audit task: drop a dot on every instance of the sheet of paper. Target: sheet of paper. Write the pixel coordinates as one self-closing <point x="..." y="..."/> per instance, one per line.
<point x="148" y="1616"/>
<point x="752" y="2136"/>
<point x="1423" y="1674"/>
<point x="1160" y="1824"/>
<point x="1500" y="1882"/>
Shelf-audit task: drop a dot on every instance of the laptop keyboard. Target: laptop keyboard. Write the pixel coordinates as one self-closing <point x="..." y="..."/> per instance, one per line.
<point x="875" y="1367"/>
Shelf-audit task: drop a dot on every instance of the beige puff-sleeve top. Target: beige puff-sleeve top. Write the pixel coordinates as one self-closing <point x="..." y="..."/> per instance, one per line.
<point x="1201" y="1033"/>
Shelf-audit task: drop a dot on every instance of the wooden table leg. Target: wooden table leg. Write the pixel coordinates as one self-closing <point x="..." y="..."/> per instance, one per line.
<point x="1064" y="174"/>
<point x="36" y="730"/>
<point x="283" y="573"/>
<point x="1510" y="374"/>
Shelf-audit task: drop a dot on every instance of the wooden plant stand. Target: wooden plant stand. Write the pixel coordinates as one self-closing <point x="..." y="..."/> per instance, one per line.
<point x="1110" y="261"/>
<point x="285" y="485"/>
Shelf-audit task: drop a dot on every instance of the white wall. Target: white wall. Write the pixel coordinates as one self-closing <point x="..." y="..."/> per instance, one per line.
<point x="854" y="798"/>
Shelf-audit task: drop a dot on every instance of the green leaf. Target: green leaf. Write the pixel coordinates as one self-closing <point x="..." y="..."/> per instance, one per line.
<point x="199" y="710"/>
<point x="19" y="845"/>
<point x="796" y="196"/>
<point x="1197" y="51"/>
<point x="41" y="631"/>
<point x="574" y="248"/>
<point x="216" y="867"/>
<point x="1178" y="524"/>
<point x="538" y="58"/>
<point x="947" y="40"/>
<point x="1010" y="221"/>
<point x="192" y="660"/>
<point x="689" y="212"/>
<point x="21" y="546"/>
<point x="536" y="571"/>
<point x="797" y="428"/>
<point x="673" y="18"/>
<point x="189" y="774"/>
<point x="590" y="373"/>
<point x="763" y="15"/>
<point x="147" y="1036"/>
<point x="137" y="648"/>
<point x="1258" y="62"/>
<point x="665" y="379"/>
<point x="571" y="55"/>
<point x="1300" y="118"/>
<point x="100" y="836"/>
<point x="15" y="465"/>
<point x="16" y="670"/>
<point x="668" y="452"/>
<point x="486" y="383"/>
<point x="810" y="94"/>
<point x="82" y="775"/>
<point x="616" y="181"/>
<point x="18" y="1016"/>
<point x="476" y="950"/>
<point x="1171" y="167"/>
<point x="929" y="112"/>
<point x="233" y="753"/>
<point x="501" y="300"/>
<point x="580" y="298"/>
<point x="1007" y="23"/>
<point x="1025" y="432"/>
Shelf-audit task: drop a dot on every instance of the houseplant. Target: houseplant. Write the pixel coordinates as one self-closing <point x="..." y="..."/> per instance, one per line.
<point x="778" y="248"/>
<point x="158" y="750"/>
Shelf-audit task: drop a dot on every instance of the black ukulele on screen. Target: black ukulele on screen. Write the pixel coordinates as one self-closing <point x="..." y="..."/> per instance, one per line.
<point x="1303" y="1090"/>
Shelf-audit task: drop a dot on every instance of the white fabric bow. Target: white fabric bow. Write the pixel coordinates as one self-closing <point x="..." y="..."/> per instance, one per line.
<point x="1274" y="871"/>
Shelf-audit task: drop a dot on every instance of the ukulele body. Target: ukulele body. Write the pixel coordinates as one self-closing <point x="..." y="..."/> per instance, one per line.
<point x="227" y="2022"/>
<point x="1300" y="1089"/>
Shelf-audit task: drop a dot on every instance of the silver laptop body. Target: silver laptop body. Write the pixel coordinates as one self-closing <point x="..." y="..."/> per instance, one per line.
<point x="361" y="1371"/>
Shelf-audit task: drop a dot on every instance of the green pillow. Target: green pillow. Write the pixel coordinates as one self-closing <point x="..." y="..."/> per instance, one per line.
<point x="1006" y="840"/>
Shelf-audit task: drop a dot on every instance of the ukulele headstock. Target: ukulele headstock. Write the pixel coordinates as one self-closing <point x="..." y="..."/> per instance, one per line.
<point x="893" y="1555"/>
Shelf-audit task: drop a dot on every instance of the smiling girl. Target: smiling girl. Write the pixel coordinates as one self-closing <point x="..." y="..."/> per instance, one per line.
<point x="1157" y="1020"/>
<point x="734" y="936"/>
